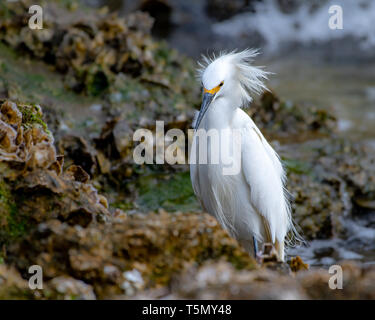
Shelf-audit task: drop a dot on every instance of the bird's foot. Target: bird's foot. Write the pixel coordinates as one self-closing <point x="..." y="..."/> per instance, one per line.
<point x="267" y="254"/>
<point x="255" y="244"/>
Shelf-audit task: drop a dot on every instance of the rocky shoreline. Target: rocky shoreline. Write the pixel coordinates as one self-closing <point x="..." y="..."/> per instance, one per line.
<point x="73" y="201"/>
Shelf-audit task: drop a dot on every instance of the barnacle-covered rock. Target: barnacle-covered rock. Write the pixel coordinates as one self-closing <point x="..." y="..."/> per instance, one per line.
<point x="317" y="206"/>
<point x="282" y="120"/>
<point x="130" y="253"/>
<point x="67" y="288"/>
<point x="90" y="50"/>
<point x="10" y="113"/>
<point x="12" y="286"/>
<point x="115" y="140"/>
<point x="326" y="179"/>
<point x="78" y="151"/>
<point x="33" y="187"/>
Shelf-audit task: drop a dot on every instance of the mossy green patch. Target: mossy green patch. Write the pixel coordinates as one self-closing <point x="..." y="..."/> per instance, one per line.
<point x="13" y="224"/>
<point x="29" y="80"/>
<point x="22" y="80"/>
<point x="5" y="13"/>
<point x="31" y="115"/>
<point x="97" y="82"/>
<point x="123" y="205"/>
<point x="172" y="192"/>
<point x="296" y="166"/>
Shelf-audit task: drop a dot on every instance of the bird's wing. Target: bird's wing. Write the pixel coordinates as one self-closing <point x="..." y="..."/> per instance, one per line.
<point x="194" y="177"/>
<point x="264" y="174"/>
<point x="194" y="180"/>
<point x="270" y="151"/>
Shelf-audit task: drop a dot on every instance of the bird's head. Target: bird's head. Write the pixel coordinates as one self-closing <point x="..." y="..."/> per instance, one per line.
<point x="230" y="76"/>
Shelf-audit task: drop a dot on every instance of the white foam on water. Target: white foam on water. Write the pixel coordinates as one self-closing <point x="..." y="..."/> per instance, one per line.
<point x="327" y="261"/>
<point x="349" y="255"/>
<point x="304" y="26"/>
<point x="344" y="124"/>
<point x="308" y="253"/>
<point x="356" y="232"/>
<point x="360" y="232"/>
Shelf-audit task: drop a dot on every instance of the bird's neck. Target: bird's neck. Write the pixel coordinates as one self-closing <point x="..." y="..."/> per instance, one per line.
<point x="220" y="114"/>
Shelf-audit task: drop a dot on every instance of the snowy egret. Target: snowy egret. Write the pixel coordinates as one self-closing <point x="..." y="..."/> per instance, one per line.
<point x="252" y="205"/>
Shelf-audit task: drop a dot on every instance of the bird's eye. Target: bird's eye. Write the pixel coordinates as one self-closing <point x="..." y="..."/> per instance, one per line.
<point x="221" y="83"/>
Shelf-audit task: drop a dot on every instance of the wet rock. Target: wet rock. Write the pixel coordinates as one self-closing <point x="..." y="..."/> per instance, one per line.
<point x="222" y="281"/>
<point x="89" y="50"/>
<point x="12" y="286"/>
<point x="315" y="206"/>
<point x="222" y="10"/>
<point x="161" y="11"/>
<point x="24" y="136"/>
<point x="33" y="186"/>
<point x="71" y="200"/>
<point x="114" y="153"/>
<point x="68" y="288"/>
<point x="358" y="283"/>
<point x="133" y="282"/>
<point x="115" y="140"/>
<point x="7" y="138"/>
<point x="78" y="151"/>
<point x="10" y="113"/>
<point x="280" y="119"/>
<point x="325" y="189"/>
<point x="77" y="173"/>
<point x="131" y="253"/>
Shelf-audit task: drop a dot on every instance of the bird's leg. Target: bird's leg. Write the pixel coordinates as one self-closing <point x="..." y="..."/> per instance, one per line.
<point x="255" y="247"/>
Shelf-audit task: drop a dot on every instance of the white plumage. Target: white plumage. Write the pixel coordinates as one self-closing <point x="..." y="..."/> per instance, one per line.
<point x="253" y="202"/>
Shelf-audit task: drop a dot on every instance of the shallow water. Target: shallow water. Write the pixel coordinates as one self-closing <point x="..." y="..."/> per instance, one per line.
<point x="358" y="246"/>
<point x="346" y="89"/>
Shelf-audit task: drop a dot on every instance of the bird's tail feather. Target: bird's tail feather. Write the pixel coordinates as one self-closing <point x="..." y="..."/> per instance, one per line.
<point x="293" y="237"/>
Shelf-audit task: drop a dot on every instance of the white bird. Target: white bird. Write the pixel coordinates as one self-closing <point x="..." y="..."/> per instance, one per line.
<point x="252" y="205"/>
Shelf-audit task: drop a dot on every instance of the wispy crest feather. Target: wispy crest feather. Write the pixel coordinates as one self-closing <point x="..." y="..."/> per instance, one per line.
<point x="251" y="78"/>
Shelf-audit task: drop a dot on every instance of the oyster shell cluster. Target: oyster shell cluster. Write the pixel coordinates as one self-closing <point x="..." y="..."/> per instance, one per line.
<point x="34" y="185"/>
<point x="90" y="50"/>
